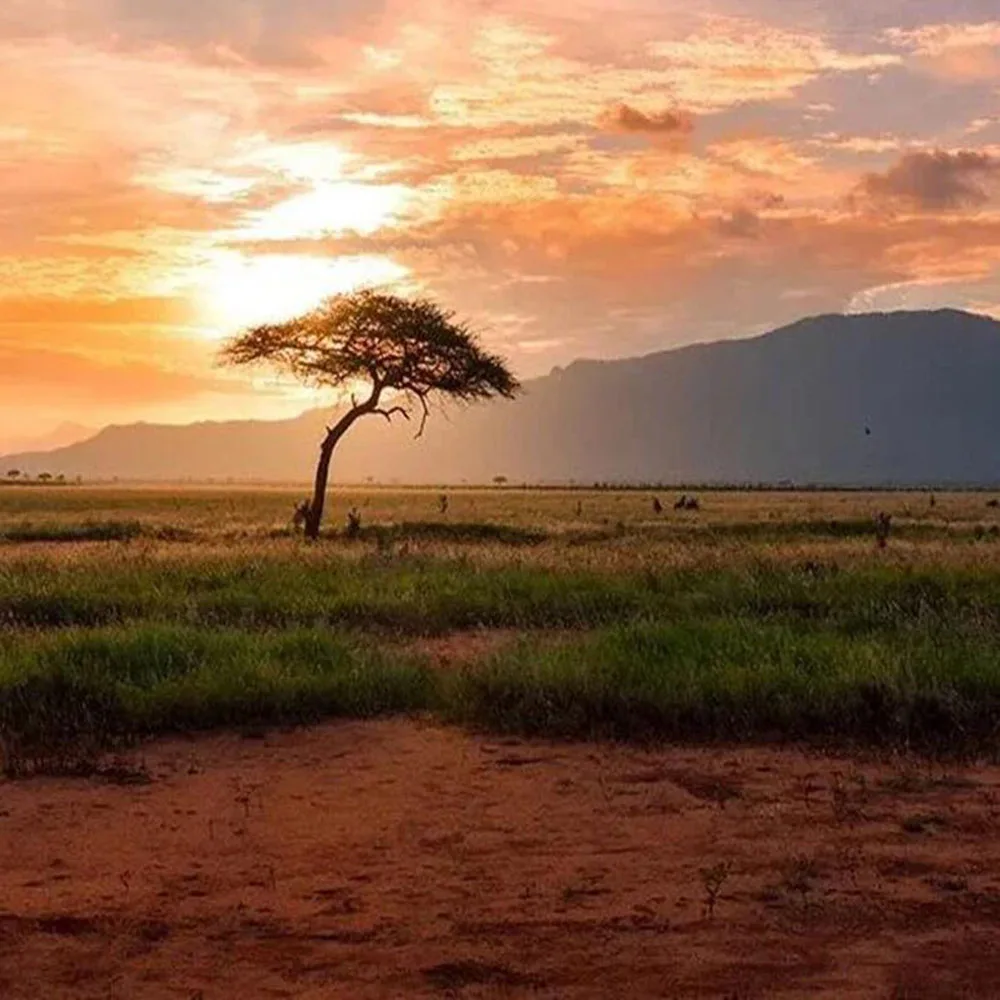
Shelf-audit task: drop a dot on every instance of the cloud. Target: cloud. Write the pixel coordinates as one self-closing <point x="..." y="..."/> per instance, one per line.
<point x="273" y="33"/>
<point x="935" y="293"/>
<point x="934" y="39"/>
<point x="114" y="312"/>
<point x="625" y="118"/>
<point x="734" y="61"/>
<point x="963" y="52"/>
<point x="860" y="145"/>
<point x="28" y="375"/>
<point x="765" y="156"/>
<point x="932" y="182"/>
<point x="743" y="222"/>
<point x="534" y="165"/>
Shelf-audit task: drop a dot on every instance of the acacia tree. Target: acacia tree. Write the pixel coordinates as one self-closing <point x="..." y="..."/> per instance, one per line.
<point x="406" y="352"/>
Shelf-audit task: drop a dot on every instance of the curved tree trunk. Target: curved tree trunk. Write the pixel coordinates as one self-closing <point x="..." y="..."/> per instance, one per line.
<point x="314" y="520"/>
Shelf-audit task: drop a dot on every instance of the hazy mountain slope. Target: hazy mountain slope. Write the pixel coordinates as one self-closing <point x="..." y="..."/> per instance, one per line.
<point x="791" y="405"/>
<point x="60" y="437"/>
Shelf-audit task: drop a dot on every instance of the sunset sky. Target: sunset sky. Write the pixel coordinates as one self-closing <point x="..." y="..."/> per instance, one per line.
<point x="599" y="178"/>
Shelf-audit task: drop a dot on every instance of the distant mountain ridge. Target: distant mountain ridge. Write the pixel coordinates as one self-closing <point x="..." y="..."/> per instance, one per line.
<point x="62" y="436"/>
<point x="909" y="398"/>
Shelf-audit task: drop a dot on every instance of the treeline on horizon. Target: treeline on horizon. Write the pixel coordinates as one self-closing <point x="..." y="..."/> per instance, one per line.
<point x="15" y="477"/>
<point x="46" y="479"/>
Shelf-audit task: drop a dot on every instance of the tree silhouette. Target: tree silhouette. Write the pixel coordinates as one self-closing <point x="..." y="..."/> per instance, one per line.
<point x="13" y="474"/>
<point x="406" y="352"/>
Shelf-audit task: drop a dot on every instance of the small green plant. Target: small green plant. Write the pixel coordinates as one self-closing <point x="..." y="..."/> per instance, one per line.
<point x="712" y="881"/>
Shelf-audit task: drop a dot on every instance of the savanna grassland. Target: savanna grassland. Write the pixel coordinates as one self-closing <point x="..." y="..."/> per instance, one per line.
<point x="559" y="744"/>
<point x="567" y="613"/>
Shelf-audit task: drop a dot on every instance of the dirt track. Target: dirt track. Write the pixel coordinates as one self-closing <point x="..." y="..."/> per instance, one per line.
<point x="393" y="859"/>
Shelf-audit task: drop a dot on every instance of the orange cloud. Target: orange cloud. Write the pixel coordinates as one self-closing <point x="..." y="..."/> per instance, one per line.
<point x="968" y="52"/>
<point x="629" y="119"/>
<point x="169" y="169"/>
<point x="732" y="61"/>
<point x="928" y="182"/>
<point x="112" y="312"/>
<point x="29" y="375"/>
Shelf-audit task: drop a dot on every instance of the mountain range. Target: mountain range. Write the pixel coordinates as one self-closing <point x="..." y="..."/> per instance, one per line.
<point x="62" y="436"/>
<point x="908" y="398"/>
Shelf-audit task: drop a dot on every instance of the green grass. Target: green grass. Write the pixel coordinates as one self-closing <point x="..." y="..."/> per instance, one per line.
<point x="86" y="531"/>
<point x="409" y="596"/>
<point x="255" y="590"/>
<point x="93" y="531"/>
<point x="714" y="679"/>
<point x="129" y="614"/>
<point x="736" y="679"/>
<point x="120" y="684"/>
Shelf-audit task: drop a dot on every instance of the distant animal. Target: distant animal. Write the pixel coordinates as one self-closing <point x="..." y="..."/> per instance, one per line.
<point x="681" y="504"/>
<point x="883" y="525"/>
<point x="657" y="506"/>
<point x="579" y="508"/>
<point x="933" y="500"/>
<point x="301" y="515"/>
<point x="868" y="432"/>
<point x="443" y="503"/>
<point x="693" y="503"/>
<point x="993" y="503"/>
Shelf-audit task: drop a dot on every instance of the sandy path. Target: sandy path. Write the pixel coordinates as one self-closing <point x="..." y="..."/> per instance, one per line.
<point x="393" y="859"/>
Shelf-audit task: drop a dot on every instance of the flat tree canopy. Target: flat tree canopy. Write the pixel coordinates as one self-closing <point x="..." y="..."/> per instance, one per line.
<point x="406" y="351"/>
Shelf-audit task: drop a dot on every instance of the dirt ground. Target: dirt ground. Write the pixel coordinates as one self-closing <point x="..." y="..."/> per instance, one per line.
<point x="396" y="859"/>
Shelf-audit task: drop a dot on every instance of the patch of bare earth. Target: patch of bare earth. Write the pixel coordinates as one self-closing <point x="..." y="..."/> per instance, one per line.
<point x="466" y="646"/>
<point x="394" y="859"/>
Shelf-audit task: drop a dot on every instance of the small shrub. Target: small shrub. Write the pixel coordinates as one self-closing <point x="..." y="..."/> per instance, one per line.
<point x="712" y="880"/>
<point x="353" y="529"/>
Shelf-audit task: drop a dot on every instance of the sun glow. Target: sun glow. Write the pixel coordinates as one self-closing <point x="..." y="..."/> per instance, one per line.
<point x="330" y="191"/>
<point x="270" y="288"/>
<point x="328" y="209"/>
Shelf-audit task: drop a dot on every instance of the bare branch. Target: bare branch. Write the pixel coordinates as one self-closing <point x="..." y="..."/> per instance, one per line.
<point x="390" y="413"/>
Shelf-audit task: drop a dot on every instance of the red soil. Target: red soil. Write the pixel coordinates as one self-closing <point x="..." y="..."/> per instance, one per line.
<point x="393" y="859"/>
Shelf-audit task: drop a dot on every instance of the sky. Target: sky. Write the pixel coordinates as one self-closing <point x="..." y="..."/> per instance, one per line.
<point x="599" y="179"/>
